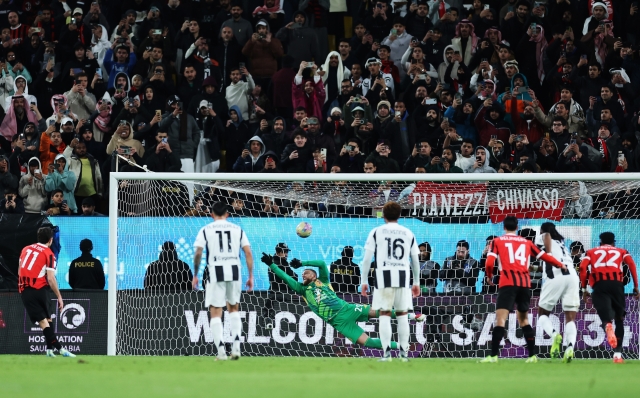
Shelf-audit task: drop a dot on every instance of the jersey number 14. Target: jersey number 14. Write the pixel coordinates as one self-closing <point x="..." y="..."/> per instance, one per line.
<point x="518" y="255"/>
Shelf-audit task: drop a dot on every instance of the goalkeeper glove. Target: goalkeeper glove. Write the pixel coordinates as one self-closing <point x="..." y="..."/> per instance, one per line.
<point x="267" y="259"/>
<point x="295" y="263"/>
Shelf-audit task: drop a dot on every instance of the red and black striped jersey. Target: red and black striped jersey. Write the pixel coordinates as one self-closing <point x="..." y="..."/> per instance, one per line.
<point x="604" y="263"/>
<point x="35" y="261"/>
<point x="513" y="253"/>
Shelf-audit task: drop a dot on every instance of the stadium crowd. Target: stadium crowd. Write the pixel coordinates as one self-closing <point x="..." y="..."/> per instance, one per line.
<point x="251" y="86"/>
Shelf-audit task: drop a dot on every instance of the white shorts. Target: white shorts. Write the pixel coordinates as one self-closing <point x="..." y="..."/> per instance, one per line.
<point x="218" y="294"/>
<point x="388" y="298"/>
<point x="565" y="288"/>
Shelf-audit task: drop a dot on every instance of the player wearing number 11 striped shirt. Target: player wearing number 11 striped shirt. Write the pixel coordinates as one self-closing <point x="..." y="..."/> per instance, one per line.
<point x="605" y="264"/>
<point x="396" y="252"/>
<point x="223" y="241"/>
<point x="513" y="253"/>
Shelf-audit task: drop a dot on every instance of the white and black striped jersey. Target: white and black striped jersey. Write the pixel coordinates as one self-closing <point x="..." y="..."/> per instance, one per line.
<point x="222" y="242"/>
<point x="560" y="253"/>
<point x="393" y="246"/>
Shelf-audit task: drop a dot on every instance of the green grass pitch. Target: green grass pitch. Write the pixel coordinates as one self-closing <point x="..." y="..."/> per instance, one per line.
<point x="266" y="377"/>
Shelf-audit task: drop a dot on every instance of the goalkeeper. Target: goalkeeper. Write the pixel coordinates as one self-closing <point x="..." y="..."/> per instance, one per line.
<point x="323" y="301"/>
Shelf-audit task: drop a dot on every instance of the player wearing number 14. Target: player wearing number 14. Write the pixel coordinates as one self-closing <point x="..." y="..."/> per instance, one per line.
<point x="513" y="252"/>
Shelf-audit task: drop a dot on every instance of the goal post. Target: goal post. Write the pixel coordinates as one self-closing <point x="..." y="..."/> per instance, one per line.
<point x="146" y="209"/>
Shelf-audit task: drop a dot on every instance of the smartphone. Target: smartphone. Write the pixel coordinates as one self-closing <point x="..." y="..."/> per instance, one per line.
<point x="573" y="141"/>
<point x="494" y="137"/>
<point x="64" y="202"/>
<point x="546" y="135"/>
<point x="522" y="90"/>
<point x="422" y="77"/>
<point x="247" y="146"/>
<point x="457" y="97"/>
<point x="484" y="60"/>
<point x="37" y="171"/>
<point x="52" y="122"/>
<point x="123" y="122"/>
<point x="121" y="40"/>
<point x="77" y="82"/>
<point x="180" y="104"/>
<point x="76" y="71"/>
<point x="241" y="65"/>
<point x="487" y="6"/>
<point x="394" y="32"/>
<point x="158" y="112"/>
<point x="349" y="147"/>
<point x="518" y="138"/>
<point x="620" y="158"/>
<point x="534" y="26"/>
<point x="99" y="72"/>
<point x="583" y="56"/>
<point x="323" y="152"/>
<point x="478" y="159"/>
<point x="164" y="140"/>
<point x="156" y="32"/>
<point x="456" y="52"/>
<point x="125" y="150"/>
<point x="310" y="64"/>
<point x="431" y="101"/>
<point x="379" y="5"/>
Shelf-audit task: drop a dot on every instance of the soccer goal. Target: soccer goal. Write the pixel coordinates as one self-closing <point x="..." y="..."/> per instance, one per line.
<point x="155" y="217"/>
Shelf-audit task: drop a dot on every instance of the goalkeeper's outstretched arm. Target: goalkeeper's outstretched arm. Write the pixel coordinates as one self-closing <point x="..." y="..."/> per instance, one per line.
<point x="292" y="283"/>
<point x="323" y="271"/>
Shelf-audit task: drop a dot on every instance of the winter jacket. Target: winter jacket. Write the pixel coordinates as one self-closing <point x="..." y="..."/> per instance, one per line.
<point x="113" y="67"/>
<point x="351" y="164"/>
<point x="48" y="152"/>
<point x="75" y="165"/>
<point x="575" y="124"/>
<point x="263" y="56"/>
<point x="186" y="149"/>
<point x="299" y="164"/>
<point x="251" y="164"/>
<point x="163" y="162"/>
<point x="488" y="127"/>
<point x="398" y="48"/>
<point x="412" y="163"/>
<point x="116" y="141"/>
<point x="302" y="43"/>
<point x="34" y="195"/>
<point x="383" y="164"/>
<point x="275" y="141"/>
<point x="81" y="106"/>
<point x="66" y="181"/>
<point x="485" y="167"/>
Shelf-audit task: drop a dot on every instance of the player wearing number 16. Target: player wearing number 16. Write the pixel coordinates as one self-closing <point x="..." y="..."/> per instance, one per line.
<point x="605" y="263"/>
<point x="223" y="241"/>
<point x="513" y="252"/>
<point x="396" y="252"/>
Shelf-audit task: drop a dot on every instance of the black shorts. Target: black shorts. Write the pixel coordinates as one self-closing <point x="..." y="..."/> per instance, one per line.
<point x="508" y="295"/>
<point x="36" y="302"/>
<point x="608" y="296"/>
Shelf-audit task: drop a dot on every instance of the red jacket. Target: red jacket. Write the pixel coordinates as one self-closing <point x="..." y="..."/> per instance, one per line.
<point x="312" y="103"/>
<point x="534" y="130"/>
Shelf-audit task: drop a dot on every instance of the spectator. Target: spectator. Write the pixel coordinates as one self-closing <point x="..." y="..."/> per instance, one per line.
<point x="460" y="271"/>
<point x="281" y="91"/>
<point x="398" y="42"/>
<point x="344" y="274"/>
<point x="208" y="155"/>
<point x="317" y="139"/>
<point x="333" y="73"/>
<point x="274" y="139"/>
<point x="242" y="29"/>
<point x="183" y="131"/>
<point x="236" y="134"/>
<point x="32" y="188"/>
<point x="51" y="146"/>
<point x="574" y="123"/>
<point x="300" y="39"/>
<point x="481" y="165"/>
<point x="297" y="155"/>
<point x="251" y="160"/>
<point x="350" y="159"/>
<point x="61" y="178"/>
<point x="58" y="205"/>
<point x="384" y="164"/>
<point x="12" y="203"/>
<point x="237" y="91"/>
<point x="6" y="85"/>
<point x="490" y="123"/>
<point x="271" y="163"/>
<point x="169" y="273"/>
<point x="428" y="268"/>
<point x="86" y="169"/>
<point x="444" y="164"/>
<point x="86" y="272"/>
<point x="263" y="51"/>
<point x="369" y="167"/>
<point x="420" y="157"/>
<point x="211" y="94"/>
<point x="7" y="178"/>
<point x="18" y="116"/>
<point x="125" y="61"/>
<point x="122" y="140"/>
<point x="308" y="90"/>
<point x="89" y="208"/>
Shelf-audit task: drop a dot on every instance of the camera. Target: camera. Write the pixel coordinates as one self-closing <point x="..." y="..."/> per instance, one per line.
<point x="336" y="118"/>
<point x="126" y="150"/>
<point x="262" y="37"/>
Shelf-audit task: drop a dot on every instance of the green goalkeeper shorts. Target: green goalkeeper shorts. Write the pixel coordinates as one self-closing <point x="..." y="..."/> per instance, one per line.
<point x="346" y="320"/>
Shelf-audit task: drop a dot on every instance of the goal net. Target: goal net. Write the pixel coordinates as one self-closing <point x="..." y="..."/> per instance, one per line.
<point x="155" y="218"/>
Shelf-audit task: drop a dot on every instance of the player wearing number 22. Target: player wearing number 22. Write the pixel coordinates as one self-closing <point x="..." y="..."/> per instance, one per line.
<point x="37" y="272"/>
<point x="605" y="263"/>
<point x="223" y="241"/>
<point x="396" y="252"/>
<point x="513" y="253"/>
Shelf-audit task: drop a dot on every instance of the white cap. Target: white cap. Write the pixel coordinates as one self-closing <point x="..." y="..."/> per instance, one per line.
<point x="78" y="11"/>
<point x="204" y="104"/>
<point x="66" y="120"/>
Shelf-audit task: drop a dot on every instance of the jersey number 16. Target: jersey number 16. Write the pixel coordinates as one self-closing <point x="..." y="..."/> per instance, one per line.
<point x="392" y="249"/>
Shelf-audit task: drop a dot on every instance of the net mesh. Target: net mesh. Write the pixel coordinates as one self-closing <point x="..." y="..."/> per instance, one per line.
<point x="158" y="314"/>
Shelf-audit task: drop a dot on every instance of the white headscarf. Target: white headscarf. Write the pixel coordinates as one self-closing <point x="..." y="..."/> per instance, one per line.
<point x="340" y="72"/>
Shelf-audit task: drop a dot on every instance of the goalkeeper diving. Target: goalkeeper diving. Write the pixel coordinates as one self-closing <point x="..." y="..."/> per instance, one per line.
<point x="317" y="292"/>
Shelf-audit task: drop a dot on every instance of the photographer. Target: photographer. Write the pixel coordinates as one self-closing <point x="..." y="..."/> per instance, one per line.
<point x="263" y="51"/>
<point x="444" y="164"/>
<point x="380" y="156"/>
<point x="481" y="165"/>
<point x="350" y="159"/>
<point x="60" y="178"/>
<point x="420" y="157"/>
<point x="11" y="204"/>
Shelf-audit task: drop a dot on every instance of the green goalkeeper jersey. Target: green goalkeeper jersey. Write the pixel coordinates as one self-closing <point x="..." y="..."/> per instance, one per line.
<point x="319" y="295"/>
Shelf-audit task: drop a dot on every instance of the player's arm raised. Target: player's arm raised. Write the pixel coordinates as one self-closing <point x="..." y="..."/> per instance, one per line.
<point x="634" y="273"/>
<point x="293" y="284"/>
<point x="197" y="257"/>
<point x="249" y="256"/>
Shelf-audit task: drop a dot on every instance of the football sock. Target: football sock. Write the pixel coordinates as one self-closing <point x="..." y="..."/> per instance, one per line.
<point x="545" y="323"/>
<point x="619" y="335"/>
<point x="375" y="343"/>
<point x="216" y="331"/>
<point x="236" y="329"/>
<point x="496" y="338"/>
<point x="50" y="338"/>
<point x="403" y="332"/>
<point x="412" y="316"/>
<point x="385" y="332"/>
<point x="530" y="337"/>
<point x="570" y="333"/>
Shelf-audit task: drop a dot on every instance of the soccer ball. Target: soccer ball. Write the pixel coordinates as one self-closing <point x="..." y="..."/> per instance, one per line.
<point x="304" y="229"/>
